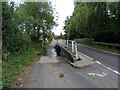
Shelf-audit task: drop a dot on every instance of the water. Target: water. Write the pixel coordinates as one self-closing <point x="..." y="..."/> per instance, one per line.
<point x="51" y="50"/>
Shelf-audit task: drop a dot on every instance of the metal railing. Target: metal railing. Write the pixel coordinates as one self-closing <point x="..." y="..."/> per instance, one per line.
<point x="90" y="41"/>
<point x="87" y="41"/>
<point x="71" y="46"/>
<point x="107" y="44"/>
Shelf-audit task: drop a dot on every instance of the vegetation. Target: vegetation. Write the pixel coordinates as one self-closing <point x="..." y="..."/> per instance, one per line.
<point x="16" y="64"/>
<point x="98" y="20"/>
<point x="61" y="75"/>
<point x="31" y="21"/>
<point x="26" y="31"/>
<point x="105" y="47"/>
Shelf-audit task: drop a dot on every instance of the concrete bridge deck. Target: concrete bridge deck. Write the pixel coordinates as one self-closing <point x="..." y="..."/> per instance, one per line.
<point x="74" y="57"/>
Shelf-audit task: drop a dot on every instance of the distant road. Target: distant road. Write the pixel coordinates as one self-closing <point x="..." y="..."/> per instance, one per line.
<point x="108" y="59"/>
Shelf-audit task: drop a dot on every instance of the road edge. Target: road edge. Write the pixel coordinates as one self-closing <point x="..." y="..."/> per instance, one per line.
<point x="100" y="50"/>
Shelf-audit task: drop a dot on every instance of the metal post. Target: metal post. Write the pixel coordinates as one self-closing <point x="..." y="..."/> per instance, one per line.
<point x="92" y="41"/>
<point x="76" y="51"/>
<point x="72" y="46"/>
<point x="67" y="44"/>
<point x="62" y="42"/>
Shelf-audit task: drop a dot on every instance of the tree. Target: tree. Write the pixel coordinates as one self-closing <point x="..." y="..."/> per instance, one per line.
<point x="26" y="22"/>
<point x="13" y="38"/>
<point x="94" y="20"/>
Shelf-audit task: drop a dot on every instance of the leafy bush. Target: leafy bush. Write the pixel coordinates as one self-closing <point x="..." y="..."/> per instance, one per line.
<point x="18" y="41"/>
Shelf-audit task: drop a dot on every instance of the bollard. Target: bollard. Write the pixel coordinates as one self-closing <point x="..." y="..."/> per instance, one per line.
<point x="72" y="46"/>
<point x="76" y="53"/>
<point x="92" y="41"/>
<point x="67" y="44"/>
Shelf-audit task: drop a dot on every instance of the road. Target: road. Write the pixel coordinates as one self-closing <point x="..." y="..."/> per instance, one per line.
<point x="107" y="59"/>
<point x="107" y="62"/>
<point x="47" y="71"/>
<point x="46" y="74"/>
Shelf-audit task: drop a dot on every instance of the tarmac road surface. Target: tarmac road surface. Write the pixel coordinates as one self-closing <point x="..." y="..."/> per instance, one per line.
<point x="51" y="72"/>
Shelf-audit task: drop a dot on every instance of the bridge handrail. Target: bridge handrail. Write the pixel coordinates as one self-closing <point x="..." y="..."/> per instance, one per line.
<point x="108" y="44"/>
<point x="70" y="45"/>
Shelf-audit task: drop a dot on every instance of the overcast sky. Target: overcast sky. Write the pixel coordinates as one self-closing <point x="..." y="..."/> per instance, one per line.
<point x="64" y="9"/>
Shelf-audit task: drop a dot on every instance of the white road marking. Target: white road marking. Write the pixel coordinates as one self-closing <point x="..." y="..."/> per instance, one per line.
<point x="83" y="75"/>
<point x="104" y="73"/>
<point x="87" y="78"/>
<point x="86" y="56"/>
<point x="21" y="85"/>
<point x="99" y="50"/>
<point x="108" y="68"/>
<point x="97" y="74"/>
<point x="98" y="62"/>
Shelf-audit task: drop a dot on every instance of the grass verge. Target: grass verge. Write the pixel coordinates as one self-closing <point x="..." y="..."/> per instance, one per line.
<point x="14" y="65"/>
<point x="105" y="47"/>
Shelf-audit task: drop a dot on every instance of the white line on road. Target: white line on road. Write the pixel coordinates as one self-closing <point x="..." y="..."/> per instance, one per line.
<point x="108" y="68"/>
<point x="100" y="50"/>
<point x="86" y="56"/>
<point x="83" y="75"/>
<point x="87" y="78"/>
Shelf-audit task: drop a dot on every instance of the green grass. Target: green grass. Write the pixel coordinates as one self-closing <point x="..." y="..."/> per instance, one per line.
<point x="61" y="75"/>
<point x="105" y="47"/>
<point x="14" y="65"/>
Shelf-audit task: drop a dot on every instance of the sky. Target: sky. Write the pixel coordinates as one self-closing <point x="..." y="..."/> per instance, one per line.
<point x="64" y="9"/>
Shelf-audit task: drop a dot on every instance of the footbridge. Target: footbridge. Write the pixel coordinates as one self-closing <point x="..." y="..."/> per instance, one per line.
<point x="68" y="49"/>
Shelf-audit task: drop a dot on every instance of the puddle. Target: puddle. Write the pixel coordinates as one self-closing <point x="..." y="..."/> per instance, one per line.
<point x="51" y="50"/>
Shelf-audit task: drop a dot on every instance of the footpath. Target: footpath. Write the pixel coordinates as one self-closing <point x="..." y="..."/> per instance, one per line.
<point x="50" y="72"/>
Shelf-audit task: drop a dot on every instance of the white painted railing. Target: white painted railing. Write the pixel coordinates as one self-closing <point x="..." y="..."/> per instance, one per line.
<point x="70" y="45"/>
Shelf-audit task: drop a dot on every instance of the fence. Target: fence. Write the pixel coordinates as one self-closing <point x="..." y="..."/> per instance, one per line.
<point x="90" y="41"/>
<point x="87" y="41"/>
<point x="70" y="45"/>
<point x="108" y="44"/>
